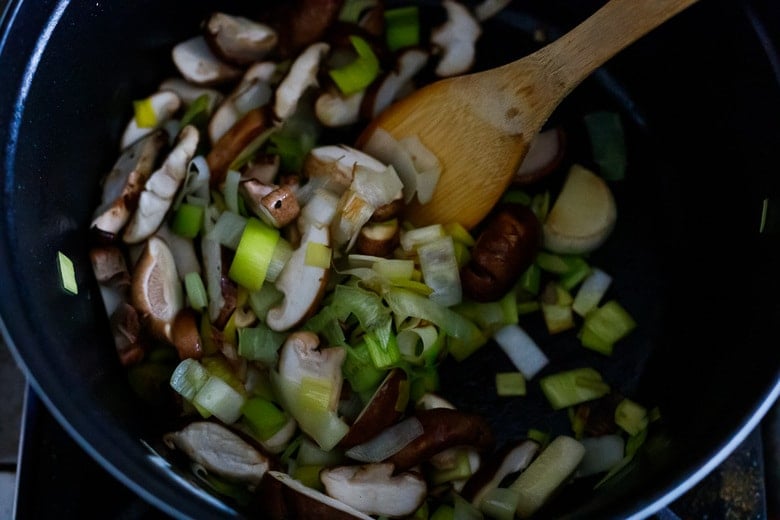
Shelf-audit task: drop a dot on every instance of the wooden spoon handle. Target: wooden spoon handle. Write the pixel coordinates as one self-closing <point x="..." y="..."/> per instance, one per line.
<point x="568" y="60"/>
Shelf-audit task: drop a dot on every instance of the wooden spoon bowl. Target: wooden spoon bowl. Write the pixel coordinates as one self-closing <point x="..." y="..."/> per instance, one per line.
<point x="480" y="125"/>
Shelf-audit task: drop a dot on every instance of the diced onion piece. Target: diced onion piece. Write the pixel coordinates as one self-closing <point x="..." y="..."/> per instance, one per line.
<point x="440" y="270"/>
<point x="360" y="73"/>
<point x="544" y="476"/>
<point x="591" y="291"/>
<point x="253" y="254"/>
<point x="510" y="384"/>
<point x="572" y="387"/>
<point x="220" y="399"/>
<point x="188" y="378"/>
<point x="521" y="349"/>
<point x="388" y="443"/>
<point x="196" y="291"/>
<point x="402" y="27"/>
<point x="601" y="454"/>
<point x="67" y="273"/>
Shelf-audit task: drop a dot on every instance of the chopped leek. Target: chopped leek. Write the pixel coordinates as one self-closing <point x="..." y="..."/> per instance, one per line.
<point x="443" y="512"/>
<point x="608" y="143"/>
<point x="631" y="417"/>
<point x="531" y="280"/>
<point x="361" y="72"/>
<point x="352" y="10"/>
<point x="360" y="371"/>
<point x="573" y="387"/>
<point x="317" y="255"/>
<point x="188" y="378"/>
<point x="606" y="325"/>
<point x="591" y="291"/>
<point x="459" y="233"/>
<point x="67" y="273"/>
<point x="558" y="318"/>
<point x="263" y="417"/>
<point x="461" y="469"/>
<point x="402" y="27"/>
<point x="220" y="399"/>
<point x="510" y="384"/>
<point x="198" y="112"/>
<point x="145" y="116"/>
<point x="383" y="346"/>
<point x="260" y="343"/>
<point x="315" y="394"/>
<point x="253" y="254"/>
<point x="196" y="291"/>
<point x="188" y="220"/>
<point x="440" y="270"/>
<point x="500" y="503"/>
<point x="264" y="298"/>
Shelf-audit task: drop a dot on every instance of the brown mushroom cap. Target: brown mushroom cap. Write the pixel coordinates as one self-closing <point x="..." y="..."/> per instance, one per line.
<point x="238" y="40"/>
<point x="234" y="141"/>
<point x="156" y="291"/>
<point x="443" y="428"/>
<point x="185" y="335"/>
<point x="380" y="412"/>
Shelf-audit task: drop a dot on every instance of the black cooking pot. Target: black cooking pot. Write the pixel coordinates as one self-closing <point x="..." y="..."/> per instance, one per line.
<point x="694" y="254"/>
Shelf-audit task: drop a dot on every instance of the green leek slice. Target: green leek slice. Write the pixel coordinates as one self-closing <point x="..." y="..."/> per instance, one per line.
<point x="402" y="27"/>
<point x="253" y="254"/>
<point x="361" y="72"/>
<point x="573" y="387"/>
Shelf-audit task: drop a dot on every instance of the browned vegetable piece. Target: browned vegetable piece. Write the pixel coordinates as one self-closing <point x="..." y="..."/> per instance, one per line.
<point x="389" y="211"/>
<point x="505" y="248"/>
<point x="443" y="428"/>
<point x="234" y="141"/>
<point x="304" y="22"/>
<point x="378" y="238"/>
<point x="380" y="412"/>
<point x="185" y="335"/>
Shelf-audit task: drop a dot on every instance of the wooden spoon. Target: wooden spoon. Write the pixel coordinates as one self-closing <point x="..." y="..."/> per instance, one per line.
<point x="480" y="125"/>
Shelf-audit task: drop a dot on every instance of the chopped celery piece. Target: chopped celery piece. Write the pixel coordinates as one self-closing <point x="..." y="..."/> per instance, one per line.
<point x="510" y="384"/>
<point x="67" y="273"/>
<point x="500" y="503"/>
<point x="188" y="378"/>
<point x="551" y="468"/>
<point x="196" y="292"/>
<point x="220" y="399"/>
<point x="607" y="140"/>
<point x="188" y="220"/>
<point x="361" y="72"/>
<point x="253" y="254"/>
<point x="591" y="340"/>
<point x="263" y="417"/>
<point x="631" y="416"/>
<point x="317" y="255"/>
<point x="573" y="387"/>
<point x="145" y="116"/>
<point x="360" y="371"/>
<point x="198" y="112"/>
<point x="260" y="343"/>
<point x="402" y="27"/>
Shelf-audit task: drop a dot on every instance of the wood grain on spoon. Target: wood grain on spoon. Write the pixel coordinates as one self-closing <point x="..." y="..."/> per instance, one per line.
<point x="480" y="125"/>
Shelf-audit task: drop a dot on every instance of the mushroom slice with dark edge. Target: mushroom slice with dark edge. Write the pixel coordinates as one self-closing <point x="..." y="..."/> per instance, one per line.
<point x="110" y="266"/>
<point x="300" y="358"/>
<point x="512" y="459"/>
<point x="161" y="187"/>
<point x="382" y="410"/>
<point x="156" y="291"/>
<point x="303" y="22"/>
<point x="387" y="89"/>
<point x="238" y="40"/>
<point x="378" y="238"/>
<point x="242" y="135"/>
<point x="284" y="497"/>
<point x="303" y="285"/>
<point x="456" y="38"/>
<point x="545" y="154"/>
<point x="253" y="91"/>
<point x="126" y="330"/>
<point x="302" y="75"/>
<point x="123" y="185"/>
<point x="197" y="64"/>
<point x="185" y="335"/>
<point x="374" y="490"/>
<point x="163" y="104"/>
<point x="220" y="451"/>
<point x="443" y="428"/>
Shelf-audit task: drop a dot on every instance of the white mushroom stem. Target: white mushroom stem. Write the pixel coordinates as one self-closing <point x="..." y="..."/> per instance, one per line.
<point x="302" y="75"/>
<point x="457" y="39"/>
<point x="374" y="490"/>
<point x="164" y="104"/>
<point x="220" y="451"/>
<point x="161" y="187"/>
<point x="239" y="40"/>
<point x="252" y="92"/>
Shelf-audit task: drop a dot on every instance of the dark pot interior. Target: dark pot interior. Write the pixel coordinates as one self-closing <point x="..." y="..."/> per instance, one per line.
<point x="701" y="99"/>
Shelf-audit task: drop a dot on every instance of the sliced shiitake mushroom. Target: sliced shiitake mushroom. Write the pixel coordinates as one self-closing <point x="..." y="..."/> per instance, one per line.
<point x="156" y="291"/>
<point x="378" y="238"/>
<point x="238" y="40"/>
<point x="512" y="458"/>
<point x="241" y="135"/>
<point x="374" y="489"/>
<point x="457" y="39"/>
<point x="185" y="335"/>
<point x="382" y="410"/>
<point x="302" y="75"/>
<point x="545" y="154"/>
<point x="197" y="64"/>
